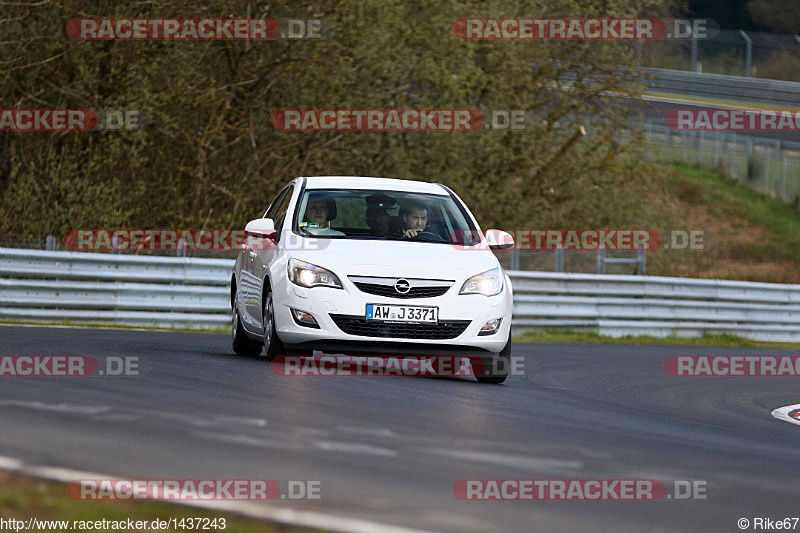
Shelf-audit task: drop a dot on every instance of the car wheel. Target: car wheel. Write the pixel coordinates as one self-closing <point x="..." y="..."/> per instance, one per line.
<point x="495" y="370"/>
<point x="241" y="344"/>
<point x="272" y="344"/>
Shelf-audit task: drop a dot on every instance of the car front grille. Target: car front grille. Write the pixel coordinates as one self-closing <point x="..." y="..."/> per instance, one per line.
<point x="389" y="291"/>
<point x="357" y="325"/>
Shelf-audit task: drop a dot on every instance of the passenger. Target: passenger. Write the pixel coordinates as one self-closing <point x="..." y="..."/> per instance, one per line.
<point x="320" y="210"/>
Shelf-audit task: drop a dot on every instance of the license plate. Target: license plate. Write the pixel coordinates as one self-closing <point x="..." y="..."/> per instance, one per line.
<point x="402" y="313"/>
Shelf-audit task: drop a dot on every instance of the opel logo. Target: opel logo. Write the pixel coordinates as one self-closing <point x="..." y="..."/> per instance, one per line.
<point x="402" y="286"/>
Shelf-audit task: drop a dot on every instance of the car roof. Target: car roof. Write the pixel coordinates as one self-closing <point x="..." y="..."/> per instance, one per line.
<point x="360" y="182"/>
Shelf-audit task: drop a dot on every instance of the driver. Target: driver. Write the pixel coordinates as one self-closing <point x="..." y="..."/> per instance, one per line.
<point x="415" y="220"/>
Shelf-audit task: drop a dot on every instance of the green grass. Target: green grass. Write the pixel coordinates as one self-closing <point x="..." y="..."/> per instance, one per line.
<point x="732" y="341"/>
<point x="732" y="201"/>
<point x="22" y="498"/>
<point x="769" y="180"/>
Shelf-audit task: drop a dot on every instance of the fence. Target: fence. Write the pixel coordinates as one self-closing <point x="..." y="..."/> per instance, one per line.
<point x="765" y="164"/>
<point x="599" y="261"/>
<point x="556" y="260"/>
<point x="732" y="52"/>
<point x="42" y="286"/>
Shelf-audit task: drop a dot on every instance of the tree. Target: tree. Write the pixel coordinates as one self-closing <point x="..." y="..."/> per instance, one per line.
<point x="211" y="157"/>
<point x="780" y="16"/>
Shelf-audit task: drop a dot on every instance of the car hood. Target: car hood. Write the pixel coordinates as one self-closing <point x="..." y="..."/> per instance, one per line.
<point x="352" y="257"/>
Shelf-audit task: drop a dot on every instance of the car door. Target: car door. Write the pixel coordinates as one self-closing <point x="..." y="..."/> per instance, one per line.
<point x="250" y="278"/>
<point x="263" y="254"/>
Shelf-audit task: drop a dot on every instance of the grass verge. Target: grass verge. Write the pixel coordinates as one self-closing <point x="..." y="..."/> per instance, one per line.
<point x="730" y="341"/>
<point x="749" y="235"/>
<point x="22" y="498"/>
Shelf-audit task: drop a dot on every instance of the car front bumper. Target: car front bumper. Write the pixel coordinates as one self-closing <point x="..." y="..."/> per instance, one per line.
<point x="348" y="306"/>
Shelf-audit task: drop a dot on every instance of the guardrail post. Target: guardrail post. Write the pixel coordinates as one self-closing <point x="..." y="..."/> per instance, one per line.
<point x="601" y="260"/>
<point x="783" y="177"/>
<point x="683" y="146"/>
<point x="642" y="270"/>
<point x="649" y="139"/>
<point x="700" y="147"/>
<point x="559" y="258"/>
<point x="50" y="243"/>
<point x="694" y="51"/>
<point x="718" y="148"/>
<point x="751" y="171"/>
<point x="769" y="158"/>
<point x="733" y="154"/>
<point x="748" y="54"/>
<point x="515" y="258"/>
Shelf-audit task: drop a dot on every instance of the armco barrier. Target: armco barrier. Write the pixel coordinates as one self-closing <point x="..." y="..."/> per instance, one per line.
<point x="127" y="290"/>
<point x="711" y="86"/>
<point x="41" y="286"/>
<point x="617" y="306"/>
<point x="720" y="86"/>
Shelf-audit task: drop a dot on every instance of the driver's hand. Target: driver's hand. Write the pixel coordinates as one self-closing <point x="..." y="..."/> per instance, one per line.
<point x="410" y="233"/>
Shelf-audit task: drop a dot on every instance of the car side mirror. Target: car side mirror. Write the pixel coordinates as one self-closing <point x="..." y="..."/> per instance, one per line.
<point x="499" y="239"/>
<point x="263" y="228"/>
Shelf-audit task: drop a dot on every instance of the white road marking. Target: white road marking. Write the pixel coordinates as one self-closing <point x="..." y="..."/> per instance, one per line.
<point x="57" y="407"/>
<point x="291" y="517"/>
<point x="312" y="431"/>
<point x="7" y="463"/>
<point x="210" y="420"/>
<point x="783" y="414"/>
<point x="247" y="440"/>
<point x="373" y="432"/>
<point x="354" y="447"/>
<point x="192" y="420"/>
<point x="515" y="461"/>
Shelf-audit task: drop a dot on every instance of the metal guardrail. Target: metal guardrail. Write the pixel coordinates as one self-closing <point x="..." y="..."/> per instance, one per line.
<point x="711" y="86"/>
<point x="125" y="290"/>
<point x="41" y="286"/>
<point x="720" y="86"/>
<point x="765" y="164"/>
<point x="617" y="306"/>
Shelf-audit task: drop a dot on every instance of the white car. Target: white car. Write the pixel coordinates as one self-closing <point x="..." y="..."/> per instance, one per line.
<point x="356" y="265"/>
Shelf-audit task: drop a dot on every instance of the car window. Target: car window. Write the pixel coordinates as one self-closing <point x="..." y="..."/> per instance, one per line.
<point x="280" y="211"/>
<point x="276" y="203"/>
<point x="381" y="215"/>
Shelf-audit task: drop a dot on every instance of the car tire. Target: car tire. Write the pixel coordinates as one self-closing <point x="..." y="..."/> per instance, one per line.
<point x="241" y="344"/>
<point x="272" y="344"/>
<point x="495" y="370"/>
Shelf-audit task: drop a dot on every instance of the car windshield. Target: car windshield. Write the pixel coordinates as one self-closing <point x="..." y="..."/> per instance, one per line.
<point x="383" y="215"/>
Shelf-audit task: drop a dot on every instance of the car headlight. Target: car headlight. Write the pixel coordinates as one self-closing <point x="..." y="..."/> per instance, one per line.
<point x="308" y="275"/>
<point x="489" y="283"/>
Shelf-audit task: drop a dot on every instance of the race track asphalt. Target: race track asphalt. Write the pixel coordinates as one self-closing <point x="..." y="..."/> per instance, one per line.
<point x="390" y="449"/>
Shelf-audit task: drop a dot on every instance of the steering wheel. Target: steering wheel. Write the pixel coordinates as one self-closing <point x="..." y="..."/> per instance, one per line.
<point x="428" y="236"/>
